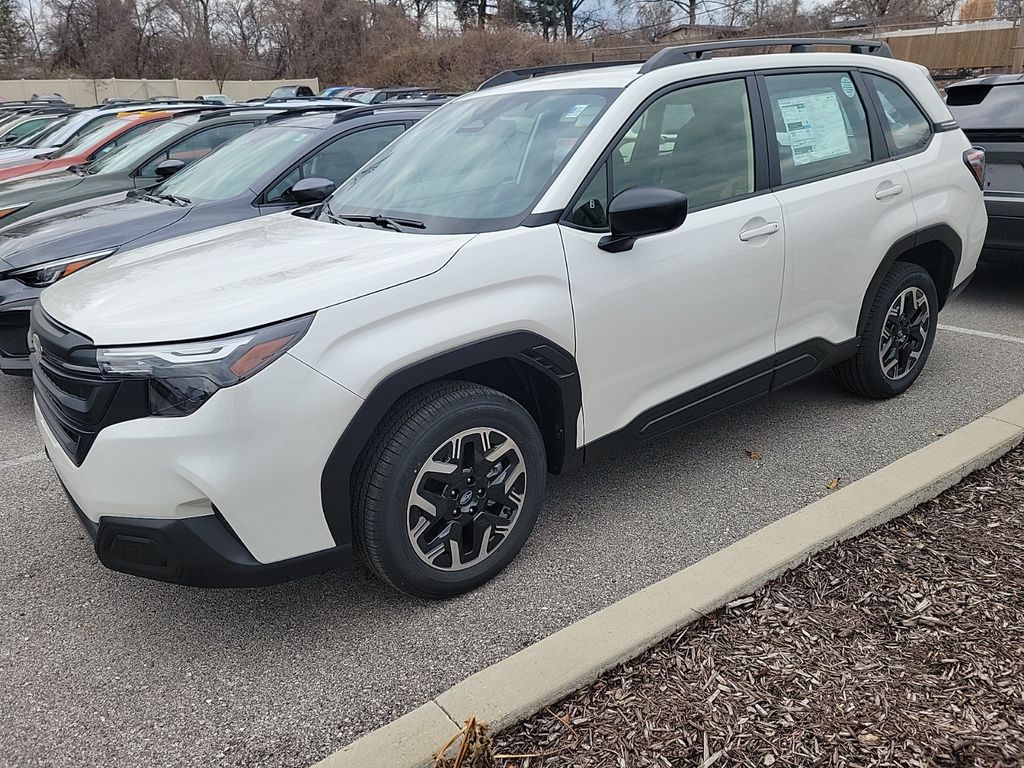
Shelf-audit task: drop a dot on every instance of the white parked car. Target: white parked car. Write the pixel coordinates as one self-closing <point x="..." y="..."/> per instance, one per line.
<point x="566" y="262"/>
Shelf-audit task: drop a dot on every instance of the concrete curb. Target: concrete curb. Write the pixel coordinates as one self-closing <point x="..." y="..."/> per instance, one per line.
<point x="523" y="683"/>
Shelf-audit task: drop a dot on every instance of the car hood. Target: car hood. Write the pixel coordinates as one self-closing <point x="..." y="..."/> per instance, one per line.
<point x="92" y="225"/>
<point x="27" y="188"/>
<point x="239" y="276"/>
<point x="13" y="157"/>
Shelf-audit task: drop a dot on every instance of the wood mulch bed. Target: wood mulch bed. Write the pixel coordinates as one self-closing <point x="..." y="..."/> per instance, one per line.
<point x="903" y="647"/>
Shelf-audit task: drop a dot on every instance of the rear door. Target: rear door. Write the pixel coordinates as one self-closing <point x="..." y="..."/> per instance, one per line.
<point x="845" y="202"/>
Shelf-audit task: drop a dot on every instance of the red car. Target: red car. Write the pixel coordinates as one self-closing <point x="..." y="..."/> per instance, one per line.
<point x="102" y="140"/>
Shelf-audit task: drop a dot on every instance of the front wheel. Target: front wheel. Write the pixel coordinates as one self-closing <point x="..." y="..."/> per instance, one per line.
<point x="449" y="489"/>
<point x="898" y="335"/>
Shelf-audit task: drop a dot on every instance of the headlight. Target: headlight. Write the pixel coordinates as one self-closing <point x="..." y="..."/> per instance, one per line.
<point x="42" y="275"/>
<point x="181" y="377"/>
<point x="5" y="212"/>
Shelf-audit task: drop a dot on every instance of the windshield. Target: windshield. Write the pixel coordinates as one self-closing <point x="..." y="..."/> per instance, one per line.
<point x="285" y="91"/>
<point x="475" y="165"/>
<point x="366" y="96"/>
<point x="236" y="166"/>
<point x="88" y="138"/>
<point x="39" y="137"/>
<point x="76" y="124"/>
<point x="124" y="159"/>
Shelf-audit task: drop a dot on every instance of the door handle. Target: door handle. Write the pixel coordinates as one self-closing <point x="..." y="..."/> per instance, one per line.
<point x="768" y="229"/>
<point x="890" y="191"/>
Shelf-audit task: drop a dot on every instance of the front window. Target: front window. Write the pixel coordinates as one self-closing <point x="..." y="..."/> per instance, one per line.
<point x="476" y="165"/>
<point x="236" y="166"/>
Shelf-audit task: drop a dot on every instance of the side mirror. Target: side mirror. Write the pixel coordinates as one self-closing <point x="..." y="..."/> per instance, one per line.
<point x="169" y="168"/>
<point x="311" y="190"/>
<point x="9" y="138"/>
<point x="641" y="211"/>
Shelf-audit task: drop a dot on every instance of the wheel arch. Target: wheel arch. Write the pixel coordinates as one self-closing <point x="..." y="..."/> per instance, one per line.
<point x="937" y="249"/>
<point x="536" y="372"/>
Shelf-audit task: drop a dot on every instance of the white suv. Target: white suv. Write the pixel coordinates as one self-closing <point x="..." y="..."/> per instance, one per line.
<point x="557" y="264"/>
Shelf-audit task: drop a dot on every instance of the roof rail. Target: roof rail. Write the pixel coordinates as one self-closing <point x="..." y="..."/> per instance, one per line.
<point x="305" y="109"/>
<point x="387" y="106"/>
<point x="679" y="54"/>
<point x="513" y="75"/>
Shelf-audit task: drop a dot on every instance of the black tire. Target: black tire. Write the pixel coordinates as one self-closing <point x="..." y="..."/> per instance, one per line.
<point x="863" y="374"/>
<point x="415" y="432"/>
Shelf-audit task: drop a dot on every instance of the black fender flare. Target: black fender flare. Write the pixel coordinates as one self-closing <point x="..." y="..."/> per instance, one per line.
<point x="939" y="233"/>
<point x="525" y="347"/>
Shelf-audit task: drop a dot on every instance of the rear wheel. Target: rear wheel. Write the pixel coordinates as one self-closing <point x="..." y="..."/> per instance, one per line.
<point x="898" y="335"/>
<point x="449" y="489"/>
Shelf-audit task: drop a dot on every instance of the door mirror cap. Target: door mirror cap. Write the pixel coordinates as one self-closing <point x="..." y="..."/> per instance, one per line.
<point x="312" y="190"/>
<point x="642" y="211"/>
<point x="169" y="168"/>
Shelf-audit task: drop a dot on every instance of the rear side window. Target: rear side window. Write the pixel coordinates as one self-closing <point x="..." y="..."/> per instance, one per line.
<point x="820" y="125"/>
<point x="908" y="129"/>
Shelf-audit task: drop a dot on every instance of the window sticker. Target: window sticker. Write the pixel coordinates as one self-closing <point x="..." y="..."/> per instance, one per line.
<point x="815" y="127"/>
<point x="847" y="85"/>
<point x="572" y="114"/>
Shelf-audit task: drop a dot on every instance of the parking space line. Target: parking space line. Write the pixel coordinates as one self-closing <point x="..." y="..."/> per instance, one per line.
<point x="29" y="459"/>
<point x="983" y="334"/>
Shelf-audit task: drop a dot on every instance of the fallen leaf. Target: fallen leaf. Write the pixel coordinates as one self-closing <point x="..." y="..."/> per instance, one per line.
<point x="754" y="455"/>
<point x="833" y="484"/>
<point x="868" y="739"/>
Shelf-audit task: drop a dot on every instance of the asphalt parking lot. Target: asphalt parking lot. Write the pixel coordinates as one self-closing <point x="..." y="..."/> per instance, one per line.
<point x="102" y="669"/>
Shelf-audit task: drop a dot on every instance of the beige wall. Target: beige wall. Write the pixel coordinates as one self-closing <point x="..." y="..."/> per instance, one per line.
<point x="85" y="92"/>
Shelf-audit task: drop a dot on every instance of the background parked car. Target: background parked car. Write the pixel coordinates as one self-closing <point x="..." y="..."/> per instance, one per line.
<point x="286" y="163"/>
<point x="77" y="124"/>
<point x="27" y="124"/>
<point x="292" y="92"/>
<point x="90" y="146"/>
<point x="215" y="98"/>
<point x="139" y="164"/>
<point x="386" y="94"/>
<point x="990" y="110"/>
<point x="340" y="91"/>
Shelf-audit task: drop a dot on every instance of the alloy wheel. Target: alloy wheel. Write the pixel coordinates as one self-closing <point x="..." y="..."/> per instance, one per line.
<point x="466" y="499"/>
<point x="904" y="333"/>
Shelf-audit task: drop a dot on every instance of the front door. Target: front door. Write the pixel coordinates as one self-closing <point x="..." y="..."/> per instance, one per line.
<point x="682" y="324"/>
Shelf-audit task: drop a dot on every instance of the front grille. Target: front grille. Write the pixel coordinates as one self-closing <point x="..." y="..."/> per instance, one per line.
<point x="14" y="333"/>
<point x="76" y="402"/>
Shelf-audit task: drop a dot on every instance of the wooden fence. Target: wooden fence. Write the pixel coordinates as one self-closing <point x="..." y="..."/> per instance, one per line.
<point x="82" y="92"/>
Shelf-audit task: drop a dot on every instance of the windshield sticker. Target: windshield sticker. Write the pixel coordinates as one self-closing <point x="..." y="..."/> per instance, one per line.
<point x="572" y="114"/>
<point x="815" y="127"/>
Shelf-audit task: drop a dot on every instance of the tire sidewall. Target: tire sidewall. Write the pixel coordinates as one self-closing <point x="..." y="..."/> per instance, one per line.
<point x="398" y="557"/>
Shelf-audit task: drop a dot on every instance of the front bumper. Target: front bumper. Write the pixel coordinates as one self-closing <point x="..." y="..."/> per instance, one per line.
<point x="243" y="470"/>
<point x="196" y="552"/>
<point x="16" y="301"/>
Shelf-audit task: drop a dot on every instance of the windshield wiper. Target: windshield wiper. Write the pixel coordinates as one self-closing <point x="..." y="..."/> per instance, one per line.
<point x="176" y="199"/>
<point x="79" y="170"/>
<point x="384" y="222"/>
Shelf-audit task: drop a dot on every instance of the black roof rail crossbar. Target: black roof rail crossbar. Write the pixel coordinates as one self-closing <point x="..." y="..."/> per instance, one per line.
<point x="303" y="109"/>
<point x="680" y="54"/>
<point x="370" y="109"/>
<point x="513" y="75"/>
